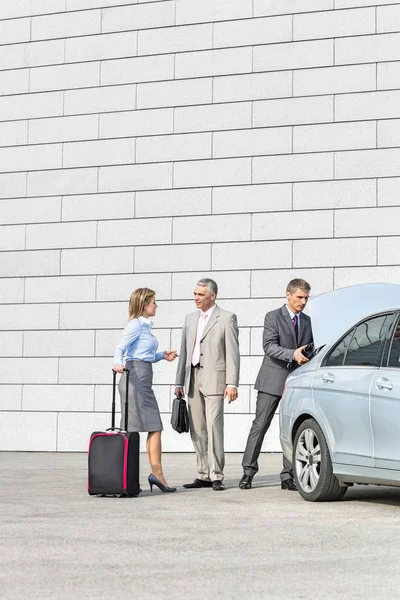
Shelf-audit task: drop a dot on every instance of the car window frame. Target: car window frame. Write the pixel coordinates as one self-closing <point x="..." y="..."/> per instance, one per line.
<point x="352" y="330"/>
<point x="389" y="344"/>
<point x="328" y="355"/>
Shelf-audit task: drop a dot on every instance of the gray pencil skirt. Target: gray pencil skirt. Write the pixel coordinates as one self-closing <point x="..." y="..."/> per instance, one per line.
<point x="143" y="411"/>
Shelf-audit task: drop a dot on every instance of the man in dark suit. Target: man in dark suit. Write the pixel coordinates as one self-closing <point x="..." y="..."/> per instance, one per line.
<point x="286" y="332"/>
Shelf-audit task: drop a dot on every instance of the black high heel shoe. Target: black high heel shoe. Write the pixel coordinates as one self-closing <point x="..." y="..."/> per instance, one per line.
<point x="152" y="479"/>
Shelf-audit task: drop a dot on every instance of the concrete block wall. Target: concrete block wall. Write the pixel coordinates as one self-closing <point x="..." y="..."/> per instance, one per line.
<point x="155" y="142"/>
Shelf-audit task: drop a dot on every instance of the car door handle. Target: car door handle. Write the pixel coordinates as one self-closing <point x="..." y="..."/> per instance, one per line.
<point x="384" y="384"/>
<point x="328" y="378"/>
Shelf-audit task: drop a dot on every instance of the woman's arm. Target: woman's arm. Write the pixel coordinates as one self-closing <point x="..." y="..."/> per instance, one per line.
<point x="159" y="356"/>
<point x="130" y="335"/>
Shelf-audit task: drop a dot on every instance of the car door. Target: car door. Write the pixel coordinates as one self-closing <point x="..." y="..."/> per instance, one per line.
<point x="342" y="390"/>
<point x="385" y="406"/>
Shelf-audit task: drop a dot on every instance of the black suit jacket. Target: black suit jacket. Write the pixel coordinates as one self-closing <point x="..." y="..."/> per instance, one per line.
<point x="279" y="343"/>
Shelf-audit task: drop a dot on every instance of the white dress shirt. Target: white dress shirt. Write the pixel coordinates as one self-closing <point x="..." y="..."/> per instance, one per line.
<point x="201" y="325"/>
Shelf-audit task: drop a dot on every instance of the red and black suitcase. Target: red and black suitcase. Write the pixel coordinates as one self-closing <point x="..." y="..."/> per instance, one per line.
<point x="114" y="457"/>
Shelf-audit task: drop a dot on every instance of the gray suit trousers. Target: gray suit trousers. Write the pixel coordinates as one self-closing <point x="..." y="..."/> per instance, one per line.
<point x="265" y="409"/>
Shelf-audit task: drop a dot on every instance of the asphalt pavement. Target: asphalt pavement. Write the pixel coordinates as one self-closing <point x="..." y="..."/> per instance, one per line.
<point x="59" y="543"/>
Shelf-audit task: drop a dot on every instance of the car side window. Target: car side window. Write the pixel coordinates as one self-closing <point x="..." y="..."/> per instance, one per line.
<point x="367" y="343"/>
<point x="394" y="356"/>
<point x="336" y="356"/>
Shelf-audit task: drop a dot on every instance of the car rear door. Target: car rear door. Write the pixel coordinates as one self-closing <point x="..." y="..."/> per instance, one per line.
<point x="385" y="406"/>
<point x="342" y="390"/>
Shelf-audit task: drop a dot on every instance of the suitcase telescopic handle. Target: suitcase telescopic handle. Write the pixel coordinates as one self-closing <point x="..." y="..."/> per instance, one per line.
<point x="113" y="400"/>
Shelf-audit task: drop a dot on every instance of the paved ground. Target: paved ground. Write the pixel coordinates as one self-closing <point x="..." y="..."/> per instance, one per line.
<point x="56" y="542"/>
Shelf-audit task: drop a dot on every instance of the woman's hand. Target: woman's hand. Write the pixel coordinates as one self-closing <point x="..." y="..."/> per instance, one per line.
<point x="119" y="368"/>
<point x="170" y="355"/>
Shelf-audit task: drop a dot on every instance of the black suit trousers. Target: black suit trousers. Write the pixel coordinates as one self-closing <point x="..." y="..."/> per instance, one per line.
<point x="265" y="409"/>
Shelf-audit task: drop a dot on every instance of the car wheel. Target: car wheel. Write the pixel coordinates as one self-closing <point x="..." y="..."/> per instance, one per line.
<point x="312" y="465"/>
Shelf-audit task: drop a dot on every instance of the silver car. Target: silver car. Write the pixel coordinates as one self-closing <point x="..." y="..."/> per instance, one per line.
<point x="340" y="413"/>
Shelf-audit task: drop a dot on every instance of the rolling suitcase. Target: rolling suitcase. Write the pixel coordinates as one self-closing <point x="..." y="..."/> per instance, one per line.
<point x="114" y="457"/>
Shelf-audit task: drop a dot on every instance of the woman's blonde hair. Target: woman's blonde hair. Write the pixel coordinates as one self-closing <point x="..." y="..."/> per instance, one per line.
<point x="138" y="300"/>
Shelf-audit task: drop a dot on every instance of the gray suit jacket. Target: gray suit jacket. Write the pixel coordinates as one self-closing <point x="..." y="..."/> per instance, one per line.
<point x="279" y="343"/>
<point x="219" y="352"/>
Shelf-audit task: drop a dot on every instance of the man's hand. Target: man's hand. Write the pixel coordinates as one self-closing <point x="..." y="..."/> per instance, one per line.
<point x="170" y="355"/>
<point x="179" y="392"/>
<point x="231" y="393"/>
<point x="119" y="368"/>
<point x="299" y="357"/>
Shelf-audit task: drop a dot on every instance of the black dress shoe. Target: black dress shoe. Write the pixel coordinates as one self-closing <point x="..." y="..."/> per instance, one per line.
<point x="198" y="483"/>
<point x="245" y="482"/>
<point x="218" y="485"/>
<point x="289" y="484"/>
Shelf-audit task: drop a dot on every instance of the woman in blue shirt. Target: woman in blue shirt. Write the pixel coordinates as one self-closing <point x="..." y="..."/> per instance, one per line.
<point x="138" y="347"/>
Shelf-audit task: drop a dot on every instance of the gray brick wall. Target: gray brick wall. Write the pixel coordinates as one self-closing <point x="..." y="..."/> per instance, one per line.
<point x="154" y="142"/>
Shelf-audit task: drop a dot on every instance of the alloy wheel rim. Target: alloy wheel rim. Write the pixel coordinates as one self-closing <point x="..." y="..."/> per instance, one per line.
<point x="308" y="460"/>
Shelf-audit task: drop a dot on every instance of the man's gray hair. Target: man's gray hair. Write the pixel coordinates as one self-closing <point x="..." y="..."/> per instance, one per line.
<point x="210" y="283"/>
<point x="298" y="284"/>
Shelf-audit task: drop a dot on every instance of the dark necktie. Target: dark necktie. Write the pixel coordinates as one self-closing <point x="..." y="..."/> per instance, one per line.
<point x="296" y="327"/>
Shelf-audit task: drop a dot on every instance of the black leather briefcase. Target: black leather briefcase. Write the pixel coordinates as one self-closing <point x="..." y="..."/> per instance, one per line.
<point x="180" y="416"/>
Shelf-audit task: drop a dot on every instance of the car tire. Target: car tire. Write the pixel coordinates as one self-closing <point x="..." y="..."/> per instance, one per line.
<point x="312" y="465"/>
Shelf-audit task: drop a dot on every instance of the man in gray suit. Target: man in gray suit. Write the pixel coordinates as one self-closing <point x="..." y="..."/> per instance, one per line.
<point x="208" y="369"/>
<point x="286" y="332"/>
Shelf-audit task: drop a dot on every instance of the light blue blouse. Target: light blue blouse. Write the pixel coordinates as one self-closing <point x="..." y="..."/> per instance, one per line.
<point x="138" y="343"/>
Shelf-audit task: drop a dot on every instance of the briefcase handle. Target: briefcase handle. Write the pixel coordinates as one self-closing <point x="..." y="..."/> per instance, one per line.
<point x="113" y="428"/>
